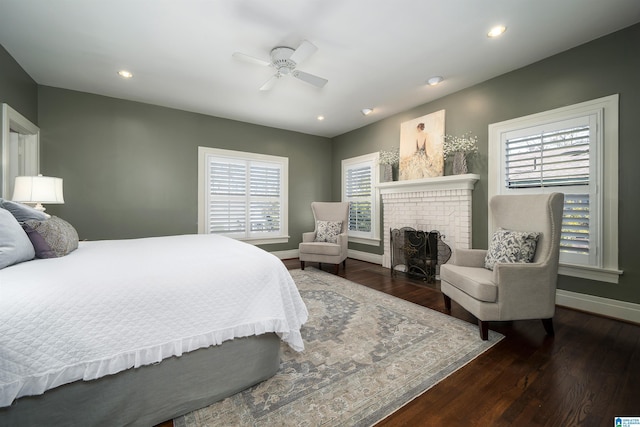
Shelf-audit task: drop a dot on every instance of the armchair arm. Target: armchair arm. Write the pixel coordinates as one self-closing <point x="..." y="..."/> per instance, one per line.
<point x="526" y="290"/>
<point x="343" y="241"/>
<point x="469" y="257"/>
<point x="308" y="236"/>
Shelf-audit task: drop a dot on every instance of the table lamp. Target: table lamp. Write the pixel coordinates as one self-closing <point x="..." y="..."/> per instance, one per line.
<point x="38" y="190"/>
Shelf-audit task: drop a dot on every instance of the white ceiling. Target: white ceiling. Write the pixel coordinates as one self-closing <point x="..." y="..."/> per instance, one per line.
<point x="374" y="53"/>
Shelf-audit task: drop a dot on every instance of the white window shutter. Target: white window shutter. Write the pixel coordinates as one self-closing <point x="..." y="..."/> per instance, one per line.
<point x="358" y="192"/>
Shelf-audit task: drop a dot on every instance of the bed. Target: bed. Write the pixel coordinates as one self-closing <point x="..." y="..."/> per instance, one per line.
<point x="137" y="332"/>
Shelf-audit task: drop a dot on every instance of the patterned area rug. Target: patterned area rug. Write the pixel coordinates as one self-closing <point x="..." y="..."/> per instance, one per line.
<point x="366" y="355"/>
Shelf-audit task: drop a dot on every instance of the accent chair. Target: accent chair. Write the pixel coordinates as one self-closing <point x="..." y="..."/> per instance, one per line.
<point x="515" y="279"/>
<point x="327" y="243"/>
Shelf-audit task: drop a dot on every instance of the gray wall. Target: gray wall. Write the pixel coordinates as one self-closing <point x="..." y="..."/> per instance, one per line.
<point x="17" y="88"/>
<point x="130" y="169"/>
<point x="602" y="67"/>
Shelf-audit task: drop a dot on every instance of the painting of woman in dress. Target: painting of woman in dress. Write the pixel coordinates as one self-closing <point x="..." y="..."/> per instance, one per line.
<point x="421" y="142"/>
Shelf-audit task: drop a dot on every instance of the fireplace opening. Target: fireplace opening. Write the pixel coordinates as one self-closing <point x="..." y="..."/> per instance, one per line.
<point x="417" y="252"/>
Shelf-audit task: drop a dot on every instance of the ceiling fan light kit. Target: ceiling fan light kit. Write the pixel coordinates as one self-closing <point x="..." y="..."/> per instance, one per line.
<point x="285" y="60"/>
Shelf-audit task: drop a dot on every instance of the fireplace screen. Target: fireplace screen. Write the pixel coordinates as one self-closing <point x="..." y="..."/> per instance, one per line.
<point x="418" y="252"/>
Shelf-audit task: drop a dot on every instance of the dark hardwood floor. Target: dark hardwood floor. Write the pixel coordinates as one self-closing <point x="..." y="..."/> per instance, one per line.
<point x="585" y="375"/>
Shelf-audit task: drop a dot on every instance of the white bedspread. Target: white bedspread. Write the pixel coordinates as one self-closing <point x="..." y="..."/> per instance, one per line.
<point x="117" y="304"/>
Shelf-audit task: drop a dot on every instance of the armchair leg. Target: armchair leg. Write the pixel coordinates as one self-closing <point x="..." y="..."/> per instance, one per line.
<point x="301" y="265"/>
<point x="447" y="303"/>
<point x="337" y="268"/>
<point x="484" y="329"/>
<point x="548" y="326"/>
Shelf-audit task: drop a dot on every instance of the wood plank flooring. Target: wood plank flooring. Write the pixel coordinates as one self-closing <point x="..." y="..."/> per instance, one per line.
<point x="586" y="375"/>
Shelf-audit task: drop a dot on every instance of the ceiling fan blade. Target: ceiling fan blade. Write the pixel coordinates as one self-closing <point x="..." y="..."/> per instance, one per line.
<point x="253" y="60"/>
<point x="305" y="50"/>
<point x="310" y="78"/>
<point x="270" y="83"/>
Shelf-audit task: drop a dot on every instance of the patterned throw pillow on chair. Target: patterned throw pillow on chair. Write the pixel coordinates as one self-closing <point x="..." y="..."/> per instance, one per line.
<point x="327" y="231"/>
<point x="511" y="246"/>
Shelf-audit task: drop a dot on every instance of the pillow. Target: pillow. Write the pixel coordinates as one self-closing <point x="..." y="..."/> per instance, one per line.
<point x="327" y="231"/>
<point x="511" y="246"/>
<point x="15" y="246"/>
<point x="41" y="247"/>
<point x="22" y="212"/>
<point x="61" y="237"/>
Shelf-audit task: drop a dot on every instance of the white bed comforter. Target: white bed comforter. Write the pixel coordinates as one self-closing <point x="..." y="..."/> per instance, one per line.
<point x="117" y="304"/>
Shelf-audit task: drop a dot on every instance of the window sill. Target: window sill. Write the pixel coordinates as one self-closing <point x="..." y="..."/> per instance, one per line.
<point x="592" y="273"/>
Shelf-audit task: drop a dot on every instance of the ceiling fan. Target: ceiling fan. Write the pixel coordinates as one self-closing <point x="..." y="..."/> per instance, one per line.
<point x="285" y="60"/>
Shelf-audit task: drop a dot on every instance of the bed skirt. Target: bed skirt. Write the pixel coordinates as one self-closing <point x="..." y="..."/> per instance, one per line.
<point x="152" y="394"/>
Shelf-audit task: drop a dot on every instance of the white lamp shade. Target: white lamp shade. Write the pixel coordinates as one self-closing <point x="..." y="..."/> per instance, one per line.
<point x="38" y="189"/>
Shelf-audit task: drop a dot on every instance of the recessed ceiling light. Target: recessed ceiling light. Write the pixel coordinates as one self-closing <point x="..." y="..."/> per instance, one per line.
<point x="320" y="118"/>
<point x="367" y="111"/>
<point x="125" y="74"/>
<point x="496" y="31"/>
<point x="434" y="80"/>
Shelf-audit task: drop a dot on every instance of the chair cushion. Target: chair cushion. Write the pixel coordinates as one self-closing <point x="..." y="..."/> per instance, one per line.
<point x="511" y="246"/>
<point x="477" y="282"/>
<point x="320" y="248"/>
<point x="327" y="231"/>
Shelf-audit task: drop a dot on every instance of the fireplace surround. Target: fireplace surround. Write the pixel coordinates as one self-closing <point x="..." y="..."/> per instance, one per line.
<point x="428" y="204"/>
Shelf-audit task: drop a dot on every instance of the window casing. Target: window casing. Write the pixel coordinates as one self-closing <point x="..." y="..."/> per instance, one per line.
<point x="243" y="195"/>
<point x="564" y="150"/>
<point x="359" y="188"/>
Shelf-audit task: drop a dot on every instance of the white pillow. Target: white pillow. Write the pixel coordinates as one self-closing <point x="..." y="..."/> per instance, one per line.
<point x="511" y="246"/>
<point x="15" y="245"/>
<point x="327" y="231"/>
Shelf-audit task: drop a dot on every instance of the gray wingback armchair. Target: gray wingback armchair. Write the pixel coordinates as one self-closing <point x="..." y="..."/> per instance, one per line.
<point x="325" y="247"/>
<point x="513" y="290"/>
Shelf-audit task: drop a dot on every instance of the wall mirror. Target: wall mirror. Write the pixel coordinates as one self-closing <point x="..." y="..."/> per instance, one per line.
<point x="20" y="149"/>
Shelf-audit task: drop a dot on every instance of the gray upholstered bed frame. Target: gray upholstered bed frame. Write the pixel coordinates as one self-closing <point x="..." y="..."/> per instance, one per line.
<point x="153" y="394"/>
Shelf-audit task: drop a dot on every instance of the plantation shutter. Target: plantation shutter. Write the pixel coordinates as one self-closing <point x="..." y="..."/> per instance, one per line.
<point x="548" y="159"/>
<point x="265" y="207"/>
<point x="557" y="157"/>
<point x="227" y="201"/>
<point x="244" y="197"/>
<point x="358" y="192"/>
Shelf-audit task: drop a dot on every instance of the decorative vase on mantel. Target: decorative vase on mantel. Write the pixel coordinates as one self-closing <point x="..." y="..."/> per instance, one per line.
<point x="460" y="163"/>
<point x="387" y="173"/>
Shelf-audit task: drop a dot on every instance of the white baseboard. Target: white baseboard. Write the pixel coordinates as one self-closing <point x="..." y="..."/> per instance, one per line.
<point x="359" y="255"/>
<point x="365" y="256"/>
<point x="291" y="253"/>
<point x="616" y="309"/>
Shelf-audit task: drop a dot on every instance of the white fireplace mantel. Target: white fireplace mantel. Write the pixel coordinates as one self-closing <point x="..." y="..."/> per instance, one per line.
<point x="449" y="182"/>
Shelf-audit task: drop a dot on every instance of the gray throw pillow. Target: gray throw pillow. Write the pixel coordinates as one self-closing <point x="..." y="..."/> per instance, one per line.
<point x="511" y="246"/>
<point x="22" y="212"/>
<point x="15" y="246"/>
<point x="327" y="231"/>
<point x="61" y="237"/>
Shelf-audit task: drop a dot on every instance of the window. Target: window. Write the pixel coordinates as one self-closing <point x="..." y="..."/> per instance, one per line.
<point x="564" y="151"/>
<point x="359" y="179"/>
<point x="560" y="156"/>
<point x="243" y="195"/>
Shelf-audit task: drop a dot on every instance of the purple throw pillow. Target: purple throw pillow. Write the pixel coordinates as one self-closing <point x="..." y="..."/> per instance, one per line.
<point x="42" y="248"/>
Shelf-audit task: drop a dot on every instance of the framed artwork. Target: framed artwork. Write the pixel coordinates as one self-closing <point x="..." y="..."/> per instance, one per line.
<point x="421" y="142"/>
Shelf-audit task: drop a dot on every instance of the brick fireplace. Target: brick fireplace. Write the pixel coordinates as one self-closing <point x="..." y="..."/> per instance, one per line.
<point x="440" y="203"/>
